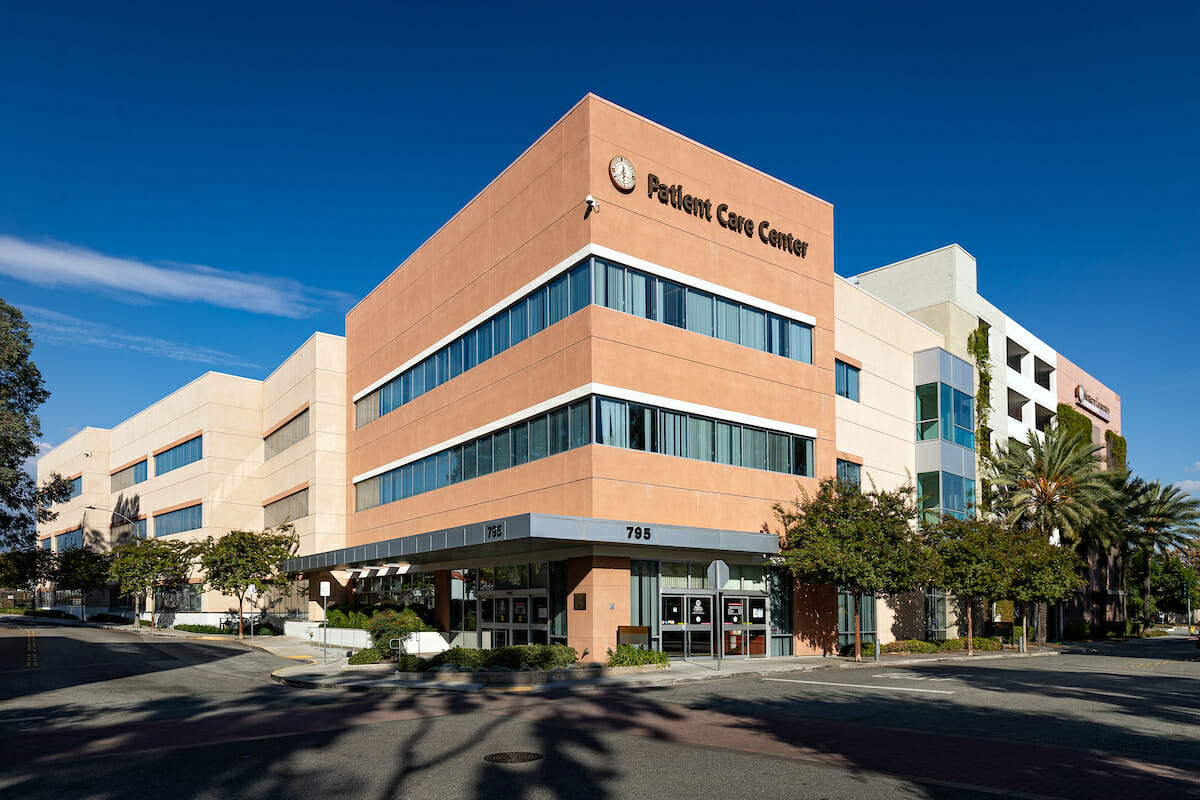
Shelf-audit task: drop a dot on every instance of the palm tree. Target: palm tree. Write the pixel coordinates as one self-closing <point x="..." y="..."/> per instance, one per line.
<point x="1160" y="517"/>
<point x="1053" y="483"/>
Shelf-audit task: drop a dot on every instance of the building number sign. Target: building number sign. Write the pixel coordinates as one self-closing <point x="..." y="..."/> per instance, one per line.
<point x="495" y="531"/>
<point x="637" y="532"/>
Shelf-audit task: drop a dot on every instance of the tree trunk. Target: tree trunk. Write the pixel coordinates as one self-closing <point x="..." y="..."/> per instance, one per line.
<point x="857" y="632"/>
<point x="970" y="627"/>
<point x="1146" y="593"/>
<point x="241" y="599"/>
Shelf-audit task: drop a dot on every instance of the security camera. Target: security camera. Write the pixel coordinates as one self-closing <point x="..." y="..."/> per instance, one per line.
<point x="87" y="454"/>
<point x="593" y="203"/>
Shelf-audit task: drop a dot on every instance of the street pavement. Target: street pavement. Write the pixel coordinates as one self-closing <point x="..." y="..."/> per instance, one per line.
<point x="121" y="714"/>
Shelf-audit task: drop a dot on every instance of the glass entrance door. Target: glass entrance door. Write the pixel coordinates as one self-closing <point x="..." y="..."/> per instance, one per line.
<point x="744" y="625"/>
<point x="687" y="625"/>
<point x="514" y="620"/>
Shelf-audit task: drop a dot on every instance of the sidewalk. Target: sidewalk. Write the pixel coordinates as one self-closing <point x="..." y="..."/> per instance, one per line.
<point x="337" y="675"/>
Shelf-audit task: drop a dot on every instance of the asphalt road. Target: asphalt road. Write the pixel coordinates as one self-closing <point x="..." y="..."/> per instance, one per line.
<point x="91" y="713"/>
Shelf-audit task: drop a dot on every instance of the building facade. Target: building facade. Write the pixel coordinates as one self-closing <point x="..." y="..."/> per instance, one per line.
<point x="589" y="386"/>
<point x="219" y="454"/>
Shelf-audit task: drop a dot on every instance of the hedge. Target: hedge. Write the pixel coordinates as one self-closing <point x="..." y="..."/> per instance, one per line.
<point x="627" y="655"/>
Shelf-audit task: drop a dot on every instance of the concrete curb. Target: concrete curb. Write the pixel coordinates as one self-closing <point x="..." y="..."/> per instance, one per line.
<point x="658" y="678"/>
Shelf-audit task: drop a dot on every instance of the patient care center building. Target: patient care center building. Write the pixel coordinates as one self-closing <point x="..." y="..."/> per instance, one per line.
<point x="593" y="381"/>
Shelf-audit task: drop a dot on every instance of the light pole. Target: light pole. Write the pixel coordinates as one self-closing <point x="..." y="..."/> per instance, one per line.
<point x="133" y="534"/>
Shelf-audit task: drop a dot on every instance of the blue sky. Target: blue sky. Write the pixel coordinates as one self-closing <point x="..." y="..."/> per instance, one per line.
<point x="200" y="186"/>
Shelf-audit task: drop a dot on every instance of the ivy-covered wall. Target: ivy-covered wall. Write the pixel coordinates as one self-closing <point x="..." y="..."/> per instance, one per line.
<point x="1071" y="421"/>
<point x="1116" y="450"/>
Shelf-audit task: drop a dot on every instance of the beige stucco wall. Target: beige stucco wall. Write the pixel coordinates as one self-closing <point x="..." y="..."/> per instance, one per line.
<point x="232" y="414"/>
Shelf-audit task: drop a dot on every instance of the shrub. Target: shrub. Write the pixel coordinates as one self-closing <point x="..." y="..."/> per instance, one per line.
<point x="952" y="644"/>
<point x="368" y="655"/>
<point x="988" y="643"/>
<point x="536" y="656"/>
<point x="868" y="649"/>
<point x="461" y="657"/>
<point x="921" y="646"/>
<point x="388" y="625"/>
<point x="412" y="664"/>
<point x="629" y="656"/>
<point x="336" y="618"/>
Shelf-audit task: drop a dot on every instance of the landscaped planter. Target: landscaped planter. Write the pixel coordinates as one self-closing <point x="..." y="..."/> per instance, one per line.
<point x="423" y="643"/>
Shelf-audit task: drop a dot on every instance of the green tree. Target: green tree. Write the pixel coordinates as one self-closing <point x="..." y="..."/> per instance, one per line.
<point x="241" y="559"/>
<point x="22" y="502"/>
<point x="141" y="565"/>
<point x="27" y="568"/>
<point x="83" y="570"/>
<point x="969" y="558"/>
<point x="860" y="541"/>
<point x="1040" y="572"/>
<point x="1052" y="484"/>
<point x="1162" y="517"/>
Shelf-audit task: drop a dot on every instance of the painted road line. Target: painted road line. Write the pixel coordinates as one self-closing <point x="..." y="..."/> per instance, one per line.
<point x="862" y="686"/>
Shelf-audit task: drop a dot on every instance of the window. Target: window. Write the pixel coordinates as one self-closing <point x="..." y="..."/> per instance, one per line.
<point x="130" y="476"/>
<point x="76" y="488"/>
<point x="557" y="431"/>
<point x="638" y="427"/>
<point x="178" y="456"/>
<point x="46" y="543"/>
<point x="183" y="519"/>
<point x="927" y="412"/>
<point x="182" y="597"/>
<point x="121" y="533"/>
<point x="945" y="412"/>
<point x="936" y="618"/>
<point x="287" y="509"/>
<point x="849" y="474"/>
<point x="866" y="618"/>
<point x="68" y="540"/>
<point x="846" y="380"/>
<point x="286" y="435"/>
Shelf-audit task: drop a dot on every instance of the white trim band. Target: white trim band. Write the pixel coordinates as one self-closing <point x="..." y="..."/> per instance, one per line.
<point x="566" y="264"/>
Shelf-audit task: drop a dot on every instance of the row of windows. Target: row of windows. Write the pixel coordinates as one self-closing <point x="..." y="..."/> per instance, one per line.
<point x="657" y="430"/>
<point x="618" y="424"/>
<point x="634" y="292"/>
<point x="287" y="509"/>
<point x="845" y="380"/>
<point x="564" y="428"/>
<point x="65" y="541"/>
<point x="552" y="303"/>
<point x="606" y="284"/>
<point x="183" y="519"/>
<point x="945" y="412"/>
<point x="178" y="456"/>
<point x="130" y="476"/>
<point x="288" y="434"/>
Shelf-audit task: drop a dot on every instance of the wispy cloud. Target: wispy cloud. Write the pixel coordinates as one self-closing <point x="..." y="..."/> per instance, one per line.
<point x="1193" y="468"/>
<point x="54" y="328"/>
<point x="53" y="263"/>
<point x="1191" y="487"/>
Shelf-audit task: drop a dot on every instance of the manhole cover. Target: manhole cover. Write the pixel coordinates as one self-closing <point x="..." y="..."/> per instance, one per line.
<point x="512" y="758"/>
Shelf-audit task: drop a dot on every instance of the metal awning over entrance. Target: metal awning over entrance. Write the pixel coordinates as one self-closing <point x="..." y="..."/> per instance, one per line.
<point x="533" y="533"/>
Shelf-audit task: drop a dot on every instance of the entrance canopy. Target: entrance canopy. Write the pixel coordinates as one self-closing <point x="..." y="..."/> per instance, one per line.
<point x="534" y="533"/>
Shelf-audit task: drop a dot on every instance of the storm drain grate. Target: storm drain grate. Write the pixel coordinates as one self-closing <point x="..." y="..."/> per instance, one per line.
<point x="512" y="758"/>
